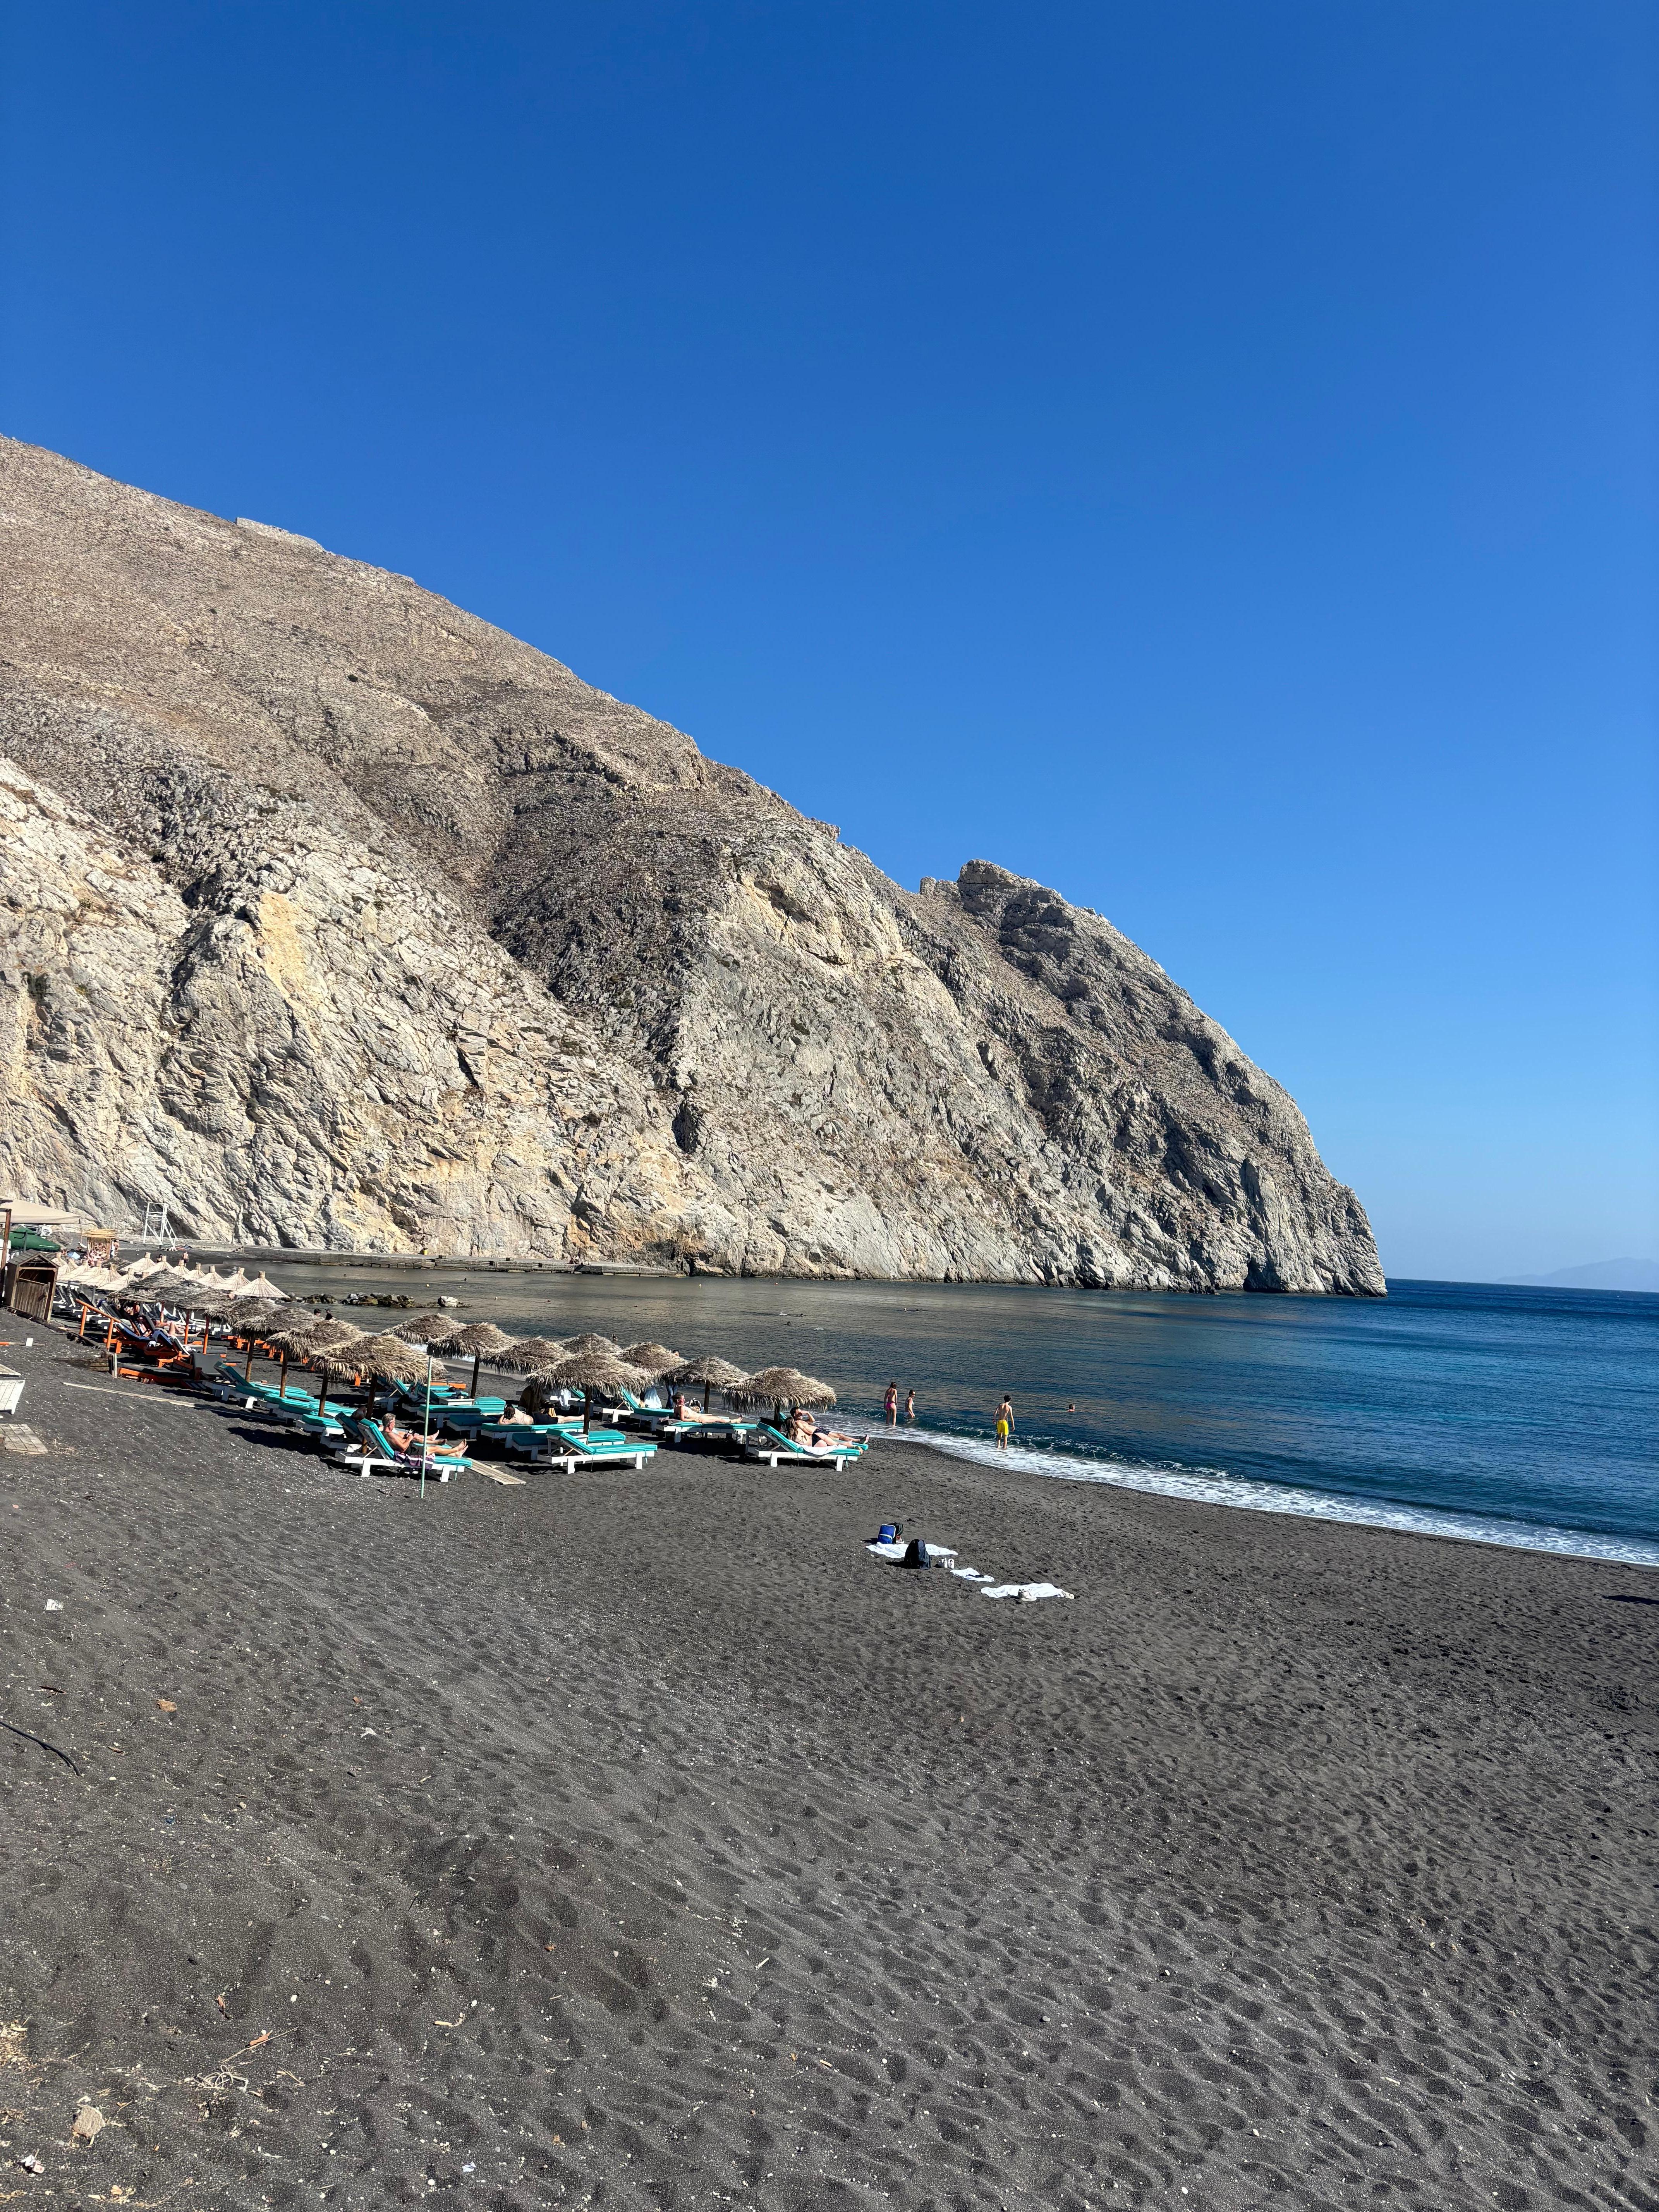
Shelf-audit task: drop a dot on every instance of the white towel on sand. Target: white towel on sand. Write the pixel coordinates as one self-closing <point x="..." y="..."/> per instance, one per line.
<point x="1026" y="1593"/>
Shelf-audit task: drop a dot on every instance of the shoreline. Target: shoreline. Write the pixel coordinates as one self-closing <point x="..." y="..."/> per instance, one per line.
<point x="1238" y="1494"/>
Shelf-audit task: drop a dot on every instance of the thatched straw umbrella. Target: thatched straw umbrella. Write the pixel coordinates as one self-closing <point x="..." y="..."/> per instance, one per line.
<point x="781" y="1386"/>
<point x="532" y="1355"/>
<point x="263" y="1287"/>
<point x="173" y="1287"/>
<point x="388" y="1358"/>
<point x="589" y="1342"/>
<point x="313" y="1339"/>
<point x="711" y="1372"/>
<point x="298" y="1341"/>
<point x="251" y="1318"/>
<point x="335" y="1346"/>
<point x="652" y="1360"/>
<point x="437" y="1331"/>
<point x="207" y="1306"/>
<point x="595" y="1374"/>
<point x="478" y="1338"/>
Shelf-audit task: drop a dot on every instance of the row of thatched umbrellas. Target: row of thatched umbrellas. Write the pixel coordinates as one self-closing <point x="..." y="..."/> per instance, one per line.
<point x="594" y="1365"/>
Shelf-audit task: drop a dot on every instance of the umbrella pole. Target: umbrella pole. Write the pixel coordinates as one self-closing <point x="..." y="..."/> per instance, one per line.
<point x="477" y="1362"/>
<point x="588" y="1410"/>
<point x="706" y="1390"/>
<point x="248" y="1371"/>
<point x="426" y="1423"/>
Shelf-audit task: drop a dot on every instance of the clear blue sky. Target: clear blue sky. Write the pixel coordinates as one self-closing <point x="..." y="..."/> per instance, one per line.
<point x="1202" y="455"/>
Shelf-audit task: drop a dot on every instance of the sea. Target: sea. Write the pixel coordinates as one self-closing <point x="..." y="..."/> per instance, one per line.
<point x="1486" y="1411"/>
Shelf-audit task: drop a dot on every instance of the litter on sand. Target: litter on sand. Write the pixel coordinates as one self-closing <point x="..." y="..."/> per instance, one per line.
<point x="1027" y="1593"/>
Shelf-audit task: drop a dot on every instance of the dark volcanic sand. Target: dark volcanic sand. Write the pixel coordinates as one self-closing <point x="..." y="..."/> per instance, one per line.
<point x="641" y="1842"/>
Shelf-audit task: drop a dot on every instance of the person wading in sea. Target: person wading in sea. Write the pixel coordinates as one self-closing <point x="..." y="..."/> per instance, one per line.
<point x="890" y="1403"/>
<point x="1005" y="1422"/>
<point x="909" y="1405"/>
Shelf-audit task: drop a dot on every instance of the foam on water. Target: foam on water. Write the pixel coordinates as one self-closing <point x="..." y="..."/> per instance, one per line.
<point x="1207" y="1486"/>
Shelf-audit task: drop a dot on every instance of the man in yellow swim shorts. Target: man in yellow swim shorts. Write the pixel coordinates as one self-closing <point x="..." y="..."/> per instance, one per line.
<point x="1005" y="1422"/>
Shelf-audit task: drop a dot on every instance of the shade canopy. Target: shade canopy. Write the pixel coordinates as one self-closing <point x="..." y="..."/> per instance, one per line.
<point x="480" y="1339"/>
<point x="594" y="1373"/>
<point x="331" y="1335"/>
<point x="589" y="1342"/>
<point x="437" y="1331"/>
<point x="263" y="1287"/>
<point x="784" y="1385"/>
<point x="387" y="1357"/>
<point x="297" y="1336"/>
<point x="531" y="1355"/>
<point x="708" y="1367"/>
<point x="253" y="1315"/>
<point x="652" y="1359"/>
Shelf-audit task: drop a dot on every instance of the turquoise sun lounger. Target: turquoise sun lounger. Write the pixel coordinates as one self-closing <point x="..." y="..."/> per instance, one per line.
<point x="598" y="1448"/>
<point x="770" y="1445"/>
<point x="371" y="1451"/>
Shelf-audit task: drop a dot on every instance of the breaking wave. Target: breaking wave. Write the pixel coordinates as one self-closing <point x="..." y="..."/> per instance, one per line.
<point x="1205" y="1486"/>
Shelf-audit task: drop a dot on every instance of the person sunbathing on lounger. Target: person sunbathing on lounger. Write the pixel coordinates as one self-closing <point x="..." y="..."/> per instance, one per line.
<point x="404" y="1440"/>
<point x="691" y="1414"/>
<point x="805" y="1431"/>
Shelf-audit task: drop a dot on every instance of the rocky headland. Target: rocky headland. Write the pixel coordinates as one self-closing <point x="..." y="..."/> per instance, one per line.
<point x="334" y="916"/>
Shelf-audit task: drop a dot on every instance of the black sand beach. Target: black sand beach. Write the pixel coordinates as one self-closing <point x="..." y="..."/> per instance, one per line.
<point x="640" y="1841"/>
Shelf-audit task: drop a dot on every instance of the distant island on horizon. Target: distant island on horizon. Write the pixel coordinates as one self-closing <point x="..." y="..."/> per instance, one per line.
<point x="1597" y="1275"/>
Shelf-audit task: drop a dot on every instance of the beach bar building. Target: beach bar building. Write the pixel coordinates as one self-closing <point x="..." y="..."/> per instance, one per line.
<point x="28" y="1255"/>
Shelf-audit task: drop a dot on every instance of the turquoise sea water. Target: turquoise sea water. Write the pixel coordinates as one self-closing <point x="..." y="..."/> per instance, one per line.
<point x="1510" y="1415"/>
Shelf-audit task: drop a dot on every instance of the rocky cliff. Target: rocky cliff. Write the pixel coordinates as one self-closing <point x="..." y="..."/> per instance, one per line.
<point x="332" y="916"/>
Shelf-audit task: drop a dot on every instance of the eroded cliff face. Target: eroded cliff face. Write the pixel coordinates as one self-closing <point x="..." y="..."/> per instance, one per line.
<point x="332" y="916"/>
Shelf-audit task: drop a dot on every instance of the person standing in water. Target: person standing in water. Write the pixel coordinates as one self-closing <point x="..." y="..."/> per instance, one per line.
<point x="909" y="1405"/>
<point x="1005" y="1422"/>
<point x="890" y="1405"/>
